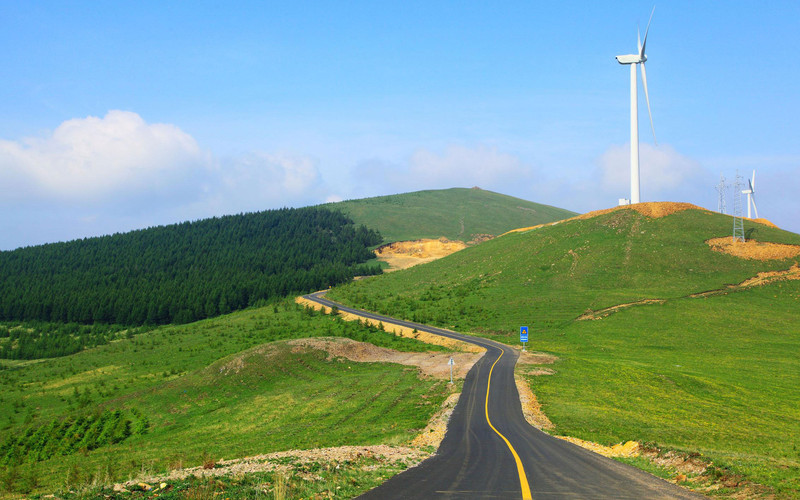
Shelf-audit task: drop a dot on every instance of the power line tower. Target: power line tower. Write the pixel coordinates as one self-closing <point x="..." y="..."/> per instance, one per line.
<point x="721" y="187"/>
<point x="738" y="224"/>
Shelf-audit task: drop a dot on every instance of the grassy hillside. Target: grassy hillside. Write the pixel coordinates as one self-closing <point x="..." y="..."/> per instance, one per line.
<point x="718" y="375"/>
<point x="177" y="395"/>
<point x="549" y="276"/>
<point x="457" y="214"/>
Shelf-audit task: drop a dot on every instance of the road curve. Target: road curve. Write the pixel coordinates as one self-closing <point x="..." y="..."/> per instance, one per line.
<point x="490" y="450"/>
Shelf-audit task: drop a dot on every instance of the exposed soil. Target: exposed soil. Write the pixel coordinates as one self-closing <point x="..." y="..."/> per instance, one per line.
<point x="628" y="449"/>
<point x="405" y="254"/>
<point x="278" y="461"/>
<point x="531" y="407"/>
<point x="762" y="221"/>
<point x="402" y="331"/>
<point x="432" y="364"/>
<point x="754" y="250"/>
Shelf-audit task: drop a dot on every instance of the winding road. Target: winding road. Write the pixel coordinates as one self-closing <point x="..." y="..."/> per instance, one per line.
<point x="491" y="451"/>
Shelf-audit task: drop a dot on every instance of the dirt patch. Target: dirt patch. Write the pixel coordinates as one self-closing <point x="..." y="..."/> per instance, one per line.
<point x="405" y="254"/>
<point x="754" y="250"/>
<point x="433" y="364"/>
<point x="602" y="313"/>
<point x="480" y="238"/>
<point x="628" y="449"/>
<point x="763" y="221"/>
<point x="402" y="331"/>
<point x="536" y="358"/>
<point x="531" y="407"/>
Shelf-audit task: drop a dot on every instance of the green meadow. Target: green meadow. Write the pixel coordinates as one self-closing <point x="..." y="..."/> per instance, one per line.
<point x="222" y="388"/>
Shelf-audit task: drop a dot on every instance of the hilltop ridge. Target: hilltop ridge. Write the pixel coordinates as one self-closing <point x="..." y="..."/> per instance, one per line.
<point x="458" y="214"/>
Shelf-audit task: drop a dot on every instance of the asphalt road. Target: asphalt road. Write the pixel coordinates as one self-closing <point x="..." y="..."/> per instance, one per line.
<point x="490" y="450"/>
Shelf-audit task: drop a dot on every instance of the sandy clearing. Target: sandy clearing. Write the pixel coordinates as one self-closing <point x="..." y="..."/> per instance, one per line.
<point x="402" y="331"/>
<point x="405" y="254"/>
<point x="433" y="364"/>
<point x="752" y="249"/>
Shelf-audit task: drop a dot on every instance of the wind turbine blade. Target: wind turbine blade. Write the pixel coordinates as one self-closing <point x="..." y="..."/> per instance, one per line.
<point x="641" y="47"/>
<point x="751" y="186"/>
<point x="753" y="183"/>
<point x="647" y="98"/>
<point x="639" y="41"/>
<point x="753" y="199"/>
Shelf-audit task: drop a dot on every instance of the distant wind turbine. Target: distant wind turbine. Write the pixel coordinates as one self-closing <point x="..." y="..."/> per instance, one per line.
<point x="633" y="60"/>
<point x="751" y="196"/>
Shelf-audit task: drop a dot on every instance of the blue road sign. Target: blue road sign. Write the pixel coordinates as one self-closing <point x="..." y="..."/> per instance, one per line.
<point x="523" y="334"/>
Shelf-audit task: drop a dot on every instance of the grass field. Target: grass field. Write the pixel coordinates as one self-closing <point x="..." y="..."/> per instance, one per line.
<point x="225" y="387"/>
<point x="718" y="375"/>
<point x="457" y="214"/>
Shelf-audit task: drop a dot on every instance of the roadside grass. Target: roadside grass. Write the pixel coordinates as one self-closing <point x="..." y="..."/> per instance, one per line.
<point x="718" y="375"/>
<point x="346" y="479"/>
<point x="216" y="389"/>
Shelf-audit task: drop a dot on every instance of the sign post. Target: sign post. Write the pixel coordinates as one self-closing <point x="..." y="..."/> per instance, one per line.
<point x="523" y="336"/>
<point x="451" y="363"/>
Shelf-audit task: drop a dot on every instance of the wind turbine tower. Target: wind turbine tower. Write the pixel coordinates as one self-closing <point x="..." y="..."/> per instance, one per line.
<point x="751" y="196"/>
<point x="738" y="224"/>
<point x="633" y="60"/>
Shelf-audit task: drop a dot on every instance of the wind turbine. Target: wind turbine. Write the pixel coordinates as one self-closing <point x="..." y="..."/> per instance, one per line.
<point x="751" y="198"/>
<point x="633" y="60"/>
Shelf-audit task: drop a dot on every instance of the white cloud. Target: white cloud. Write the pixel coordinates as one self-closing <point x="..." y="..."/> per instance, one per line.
<point x="457" y="165"/>
<point x="483" y="166"/>
<point x="333" y="198"/>
<point x="662" y="170"/>
<point x="258" y="180"/>
<point x="98" y="175"/>
<point x="91" y="159"/>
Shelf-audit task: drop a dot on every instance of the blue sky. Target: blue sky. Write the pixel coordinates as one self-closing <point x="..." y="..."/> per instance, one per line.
<point x="119" y="116"/>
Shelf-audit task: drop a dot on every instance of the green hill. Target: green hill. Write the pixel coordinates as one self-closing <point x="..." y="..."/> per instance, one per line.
<point x="183" y="272"/>
<point x="457" y="214"/>
<point x="714" y="373"/>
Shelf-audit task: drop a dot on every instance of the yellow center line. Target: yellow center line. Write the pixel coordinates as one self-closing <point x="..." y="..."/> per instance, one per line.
<point x="523" y="479"/>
